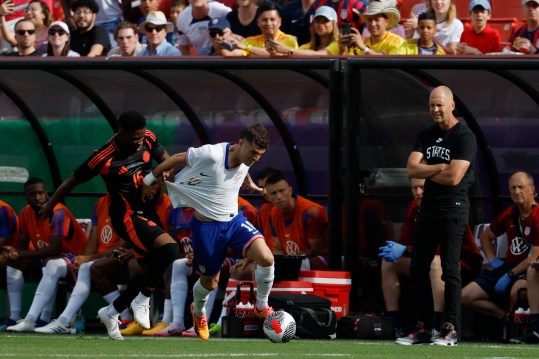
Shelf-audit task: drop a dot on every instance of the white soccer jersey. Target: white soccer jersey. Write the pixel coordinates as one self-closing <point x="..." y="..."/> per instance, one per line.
<point x="195" y="32"/>
<point x="207" y="184"/>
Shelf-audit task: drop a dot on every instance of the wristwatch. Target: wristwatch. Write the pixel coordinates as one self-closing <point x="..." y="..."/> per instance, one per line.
<point x="366" y="50"/>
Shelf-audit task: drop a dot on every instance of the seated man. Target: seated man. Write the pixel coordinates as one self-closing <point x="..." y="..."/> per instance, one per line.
<point x="532" y="335"/>
<point x="395" y="266"/>
<point x="298" y="226"/>
<point x="526" y="37"/>
<point x="156" y="27"/>
<point x="9" y="235"/>
<point x="53" y="241"/>
<point x="126" y="36"/>
<point x="488" y="292"/>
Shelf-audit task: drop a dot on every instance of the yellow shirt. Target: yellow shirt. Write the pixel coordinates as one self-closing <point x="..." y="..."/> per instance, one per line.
<point x="410" y="47"/>
<point x="260" y="41"/>
<point x="332" y="48"/>
<point x="389" y="44"/>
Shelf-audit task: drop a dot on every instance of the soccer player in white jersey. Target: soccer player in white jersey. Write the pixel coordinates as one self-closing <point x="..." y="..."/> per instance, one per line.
<point x="210" y="183"/>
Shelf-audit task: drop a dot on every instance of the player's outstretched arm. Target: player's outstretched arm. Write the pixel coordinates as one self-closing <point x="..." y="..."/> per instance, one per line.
<point x="168" y="164"/>
<point x="67" y="186"/>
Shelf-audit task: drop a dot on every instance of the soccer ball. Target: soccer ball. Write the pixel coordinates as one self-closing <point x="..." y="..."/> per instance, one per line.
<point x="279" y="327"/>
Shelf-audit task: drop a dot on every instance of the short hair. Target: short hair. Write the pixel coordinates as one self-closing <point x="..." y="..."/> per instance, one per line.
<point x="268" y="6"/>
<point x="268" y="172"/>
<point x="277" y="177"/>
<point x="427" y="15"/>
<point x="256" y="134"/>
<point x="528" y="176"/>
<point x="125" y="25"/>
<point x="90" y="4"/>
<point x="23" y="20"/>
<point x="131" y="121"/>
<point x="184" y="3"/>
<point x="32" y="181"/>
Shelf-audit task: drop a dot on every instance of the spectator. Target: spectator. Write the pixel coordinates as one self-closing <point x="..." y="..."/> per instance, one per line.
<point x="193" y="25"/>
<point x="298" y="226"/>
<point x="297" y="17"/>
<point x="59" y="41"/>
<point x="396" y="263"/>
<point x="176" y="8"/>
<point x="39" y="14"/>
<point x="397" y="30"/>
<point x="126" y="35"/>
<point x="526" y="37"/>
<point x="425" y="45"/>
<point x="221" y="37"/>
<point x="349" y="11"/>
<point x="52" y="241"/>
<point x="156" y="28"/>
<point x="243" y="19"/>
<point x="479" y="38"/>
<point x="25" y="35"/>
<point x="379" y="19"/>
<point x="449" y="27"/>
<point x="88" y="39"/>
<point x="488" y="293"/>
<point x="410" y="25"/>
<point x="101" y="244"/>
<point x="269" y="22"/>
<point x="9" y="235"/>
<point x="324" y="37"/>
<point x="146" y="6"/>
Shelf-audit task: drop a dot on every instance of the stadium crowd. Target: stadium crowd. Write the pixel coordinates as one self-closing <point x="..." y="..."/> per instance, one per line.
<point x="247" y="28"/>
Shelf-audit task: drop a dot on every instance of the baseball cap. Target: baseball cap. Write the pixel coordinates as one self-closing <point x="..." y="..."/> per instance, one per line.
<point x="524" y="2"/>
<point x="60" y="24"/>
<point x="327" y="12"/>
<point x="219" y="23"/>
<point x="483" y="3"/>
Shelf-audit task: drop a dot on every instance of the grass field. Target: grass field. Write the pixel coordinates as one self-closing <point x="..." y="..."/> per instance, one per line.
<point x="99" y="346"/>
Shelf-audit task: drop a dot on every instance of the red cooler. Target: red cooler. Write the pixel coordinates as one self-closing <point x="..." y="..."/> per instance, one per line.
<point x="333" y="285"/>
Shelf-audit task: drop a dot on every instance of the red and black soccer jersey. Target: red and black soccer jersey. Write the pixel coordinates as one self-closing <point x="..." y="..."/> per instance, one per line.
<point x="123" y="173"/>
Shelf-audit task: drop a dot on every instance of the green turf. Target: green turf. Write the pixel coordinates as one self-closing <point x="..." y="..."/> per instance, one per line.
<point x="98" y="346"/>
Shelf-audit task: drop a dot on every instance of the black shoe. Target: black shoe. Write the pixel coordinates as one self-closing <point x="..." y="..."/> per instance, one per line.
<point x="448" y="336"/>
<point x="531" y="337"/>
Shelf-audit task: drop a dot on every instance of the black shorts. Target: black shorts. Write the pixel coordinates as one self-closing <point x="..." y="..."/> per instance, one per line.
<point x="487" y="281"/>
<point x="138" y="230"/>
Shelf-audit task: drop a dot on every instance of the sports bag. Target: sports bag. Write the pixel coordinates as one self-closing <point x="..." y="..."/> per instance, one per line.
<point x="312" y="313"/>
<point x="365" y="326"/>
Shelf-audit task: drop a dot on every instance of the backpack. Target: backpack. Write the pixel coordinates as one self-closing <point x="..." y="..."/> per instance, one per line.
<point x="312" y="313"/>
<point x="364" y="326"/>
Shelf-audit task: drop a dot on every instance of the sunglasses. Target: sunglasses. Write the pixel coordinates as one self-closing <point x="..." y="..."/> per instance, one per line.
<point x="59" y="32"/>
<point x="23" y="32"/>
<point x="158" y="28"/>
<point x="215" y="33"/>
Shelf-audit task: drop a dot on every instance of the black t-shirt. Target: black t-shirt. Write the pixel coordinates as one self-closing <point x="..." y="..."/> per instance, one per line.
<point x="438" y="146"/>
<point x="297" y="22"/>
<point x="83" y="42"/>
<point x="238" y="28"/>
<point x="16" y="53"/>
<point x="123" y="173"/>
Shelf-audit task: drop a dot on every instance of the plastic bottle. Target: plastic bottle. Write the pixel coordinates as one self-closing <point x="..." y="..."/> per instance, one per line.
<point x="80" y="322"/>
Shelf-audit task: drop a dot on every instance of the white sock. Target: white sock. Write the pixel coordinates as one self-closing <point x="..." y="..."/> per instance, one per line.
<point x="167" y="311"/>
<point x="127" y="314"/>
<point x="264" y="281"/>
<point x="46" y="313"/>
<point x="14" y="285"/>
<point x="200" y="297"/>
<point x="80" y="293"/>
<point x="111" y="311"/>
<point x="52" y="272"/>
<point x="178" y="290"/>
<point x="223" y="313"/>
<point x="211" y="302"/>
<point x="111" y="297"/>
<point x="141" y="298"/>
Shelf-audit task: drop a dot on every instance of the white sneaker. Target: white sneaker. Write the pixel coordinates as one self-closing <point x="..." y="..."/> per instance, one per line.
<point x="54" y="327"/>
<point x="111" y="323"/>
<point x="141" y="312"/>
<point x="22" y="326"/>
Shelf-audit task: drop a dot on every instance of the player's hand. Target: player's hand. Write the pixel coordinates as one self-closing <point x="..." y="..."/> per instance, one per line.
<point x="496" y="263"/>
<point x="147" y="192"/>
<point x="392" y="251"/>
<point x="126" y="256"/>
<point x="11" y="253"/>
<point x="503" y="283"/>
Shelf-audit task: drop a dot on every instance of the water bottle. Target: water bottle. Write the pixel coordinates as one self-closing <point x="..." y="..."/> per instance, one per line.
<point x="80" y="322"/>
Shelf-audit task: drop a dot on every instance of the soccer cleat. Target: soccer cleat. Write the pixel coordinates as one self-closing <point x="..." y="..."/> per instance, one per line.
<point x="158" y="327"/>
<point x="111" y="323"/>
<point x="41" y="323"/>
<point x="172" y="330"/>
<point x="132" y="328"/>
<point x="124" y="323"/>
<point x="54" y="327"/>
<point x="141" y="312"/>
<point x="200" y="324"/>
<point x="22" y="326"/>
<point x="7" y="323"/>
<point x="190" y="333"/>
<point x="531" y="337"/>
<point x="448" y="336"/>
<point x="215" y="330"/>
<point x="262" y="313"/>
<point x="420" y="336"/>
